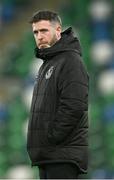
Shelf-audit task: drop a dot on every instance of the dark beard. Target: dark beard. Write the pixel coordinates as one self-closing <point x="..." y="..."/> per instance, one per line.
<point x="53" y="41"/>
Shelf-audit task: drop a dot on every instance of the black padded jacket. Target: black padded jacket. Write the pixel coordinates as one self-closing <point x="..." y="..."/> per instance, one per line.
<point x="58" y="125"/>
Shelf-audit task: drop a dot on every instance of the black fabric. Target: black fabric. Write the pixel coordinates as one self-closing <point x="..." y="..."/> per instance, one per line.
<point x="58" y="171"/>
<point x="58" y="125"/>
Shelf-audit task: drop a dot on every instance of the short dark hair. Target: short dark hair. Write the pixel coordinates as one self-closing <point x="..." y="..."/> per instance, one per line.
<point x="45" y="15"/>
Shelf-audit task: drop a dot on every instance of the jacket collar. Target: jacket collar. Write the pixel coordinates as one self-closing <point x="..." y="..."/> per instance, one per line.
<point x="67" y="42"/>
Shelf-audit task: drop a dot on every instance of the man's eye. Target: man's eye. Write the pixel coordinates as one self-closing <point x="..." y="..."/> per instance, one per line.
<point x="35" y="32"/>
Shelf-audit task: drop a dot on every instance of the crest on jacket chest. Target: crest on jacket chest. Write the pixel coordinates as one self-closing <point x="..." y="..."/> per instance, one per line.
<point x="49" y="72"/>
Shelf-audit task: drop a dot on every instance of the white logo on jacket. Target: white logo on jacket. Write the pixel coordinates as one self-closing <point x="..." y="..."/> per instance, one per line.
<point x="49" y="72"/>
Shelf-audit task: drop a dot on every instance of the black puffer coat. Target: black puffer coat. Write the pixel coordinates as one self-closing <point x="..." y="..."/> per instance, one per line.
<point x="58" y="125"/>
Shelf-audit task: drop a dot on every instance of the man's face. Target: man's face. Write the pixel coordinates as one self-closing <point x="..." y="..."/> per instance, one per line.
<point x="46" y="33"/>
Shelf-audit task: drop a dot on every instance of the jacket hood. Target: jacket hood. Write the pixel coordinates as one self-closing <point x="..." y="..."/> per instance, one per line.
<point x="67" y="42"/>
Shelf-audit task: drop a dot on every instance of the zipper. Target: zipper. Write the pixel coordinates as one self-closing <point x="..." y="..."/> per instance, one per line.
<point x="39" y="82"/>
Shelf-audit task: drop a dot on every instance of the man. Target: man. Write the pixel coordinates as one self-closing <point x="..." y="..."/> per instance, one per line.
<point x="58" y="126"/>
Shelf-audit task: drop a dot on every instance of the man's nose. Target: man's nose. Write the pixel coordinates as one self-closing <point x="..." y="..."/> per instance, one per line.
<point x="39" y="36"/>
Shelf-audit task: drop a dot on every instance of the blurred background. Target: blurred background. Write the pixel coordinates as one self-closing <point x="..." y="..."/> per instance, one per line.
<point x="93" y="23"/>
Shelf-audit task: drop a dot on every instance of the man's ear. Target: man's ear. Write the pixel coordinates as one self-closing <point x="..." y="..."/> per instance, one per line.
<point x="58" y="31"/>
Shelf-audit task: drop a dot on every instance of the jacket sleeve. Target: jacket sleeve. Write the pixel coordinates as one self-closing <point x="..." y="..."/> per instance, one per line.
<point x="73" y="99"/>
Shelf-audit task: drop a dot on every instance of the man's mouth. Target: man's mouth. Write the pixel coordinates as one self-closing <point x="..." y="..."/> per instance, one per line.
<point x="44" y="45"/>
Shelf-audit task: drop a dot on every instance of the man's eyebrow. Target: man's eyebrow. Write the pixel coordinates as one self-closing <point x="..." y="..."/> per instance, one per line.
<point x="43" y="29"/>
